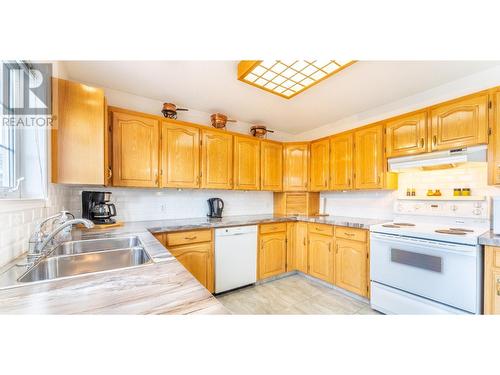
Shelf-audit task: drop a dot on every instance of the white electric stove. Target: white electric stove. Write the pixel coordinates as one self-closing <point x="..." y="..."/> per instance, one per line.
<point x="428" y="260"/>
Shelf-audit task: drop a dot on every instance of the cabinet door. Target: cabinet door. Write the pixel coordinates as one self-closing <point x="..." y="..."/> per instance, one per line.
<point x="216" y="160"/>
<point x="198" y="260"/>
<point x="271" y="169"/>
<point x="321" y="257"/>
<point x="272" y="254"/>
<point x="246" y="163"/>
<point x="135" y="150"/>
<point x="180" y="156"/>
<point x="341" y="163"/>
<point x="78" y="135"/>
<point x="407" y="135"/>
<point x="299" y="253"/>
<point x="350" y="266"/>
<point x="296" y="168"/>
<point x="320" y="165"/>
<point x="460" y="123"/>
<point x="494" y="142"/>
<point x="369" y="158"/>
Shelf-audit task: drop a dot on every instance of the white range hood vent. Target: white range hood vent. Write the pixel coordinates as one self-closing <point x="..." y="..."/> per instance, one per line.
<point x="439" y="159"/>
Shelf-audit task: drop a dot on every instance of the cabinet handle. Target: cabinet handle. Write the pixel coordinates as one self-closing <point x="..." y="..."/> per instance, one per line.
<point x="304" y="241"/>
<point x="434" y="140"/>
<point x="378" y="179"/>
<point x="349" y="181"/>
<point x="422" y="142"/>
<point x="326" y="183"/>
<point x="190" y="238"/>
<point x="349" y="234"/>
<point x="337" y="249"/>
<point x="498" y="287"/>
<point x="110" y="173"/>
<point x="330" y="247"/>
<point x="156" y="178"/>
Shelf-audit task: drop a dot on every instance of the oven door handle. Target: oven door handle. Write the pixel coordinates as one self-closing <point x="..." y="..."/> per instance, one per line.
<point x="450" y="247"/>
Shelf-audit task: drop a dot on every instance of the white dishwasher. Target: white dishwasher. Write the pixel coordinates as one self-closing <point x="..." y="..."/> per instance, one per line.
<point x="235" y="257"/>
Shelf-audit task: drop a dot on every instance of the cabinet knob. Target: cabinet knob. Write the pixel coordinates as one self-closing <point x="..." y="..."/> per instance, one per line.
<point x="422" y="142"/>
<point x="498" y="287"/>
<point x="190" y="238"/>
<point x="434" y="140"/>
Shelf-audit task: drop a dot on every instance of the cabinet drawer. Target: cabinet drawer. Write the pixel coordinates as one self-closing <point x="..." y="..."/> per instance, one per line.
<point x="321" y="229"/>
<point x="351" y="233"/>
<point x="183" y="238"/>
<point x="272" y="228"/>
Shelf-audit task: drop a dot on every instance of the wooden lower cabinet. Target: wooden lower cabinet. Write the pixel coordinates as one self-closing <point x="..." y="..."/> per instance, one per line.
<point x="195" y="251"/>
<point x="297" y="247"/>
<point x="197" y="258"/>
<point x="272" y="252"/>
<point x="351" y="266"/>
<point x="492" y="280"/>
<point x="321" y="256"/>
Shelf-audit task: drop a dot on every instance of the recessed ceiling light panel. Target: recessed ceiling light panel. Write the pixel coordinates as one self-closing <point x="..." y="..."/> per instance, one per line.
<point x="288" y="78"/>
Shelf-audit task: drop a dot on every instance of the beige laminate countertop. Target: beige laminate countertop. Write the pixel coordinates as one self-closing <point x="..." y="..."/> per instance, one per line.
<point x="489" y="239"/>
<point x="164" y="287"/>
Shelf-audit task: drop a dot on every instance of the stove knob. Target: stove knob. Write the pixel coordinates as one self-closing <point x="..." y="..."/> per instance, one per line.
<point x="477" y="211"/>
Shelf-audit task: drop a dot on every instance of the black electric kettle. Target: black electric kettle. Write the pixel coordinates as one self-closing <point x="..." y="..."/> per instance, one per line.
<point x="215" y="207"/>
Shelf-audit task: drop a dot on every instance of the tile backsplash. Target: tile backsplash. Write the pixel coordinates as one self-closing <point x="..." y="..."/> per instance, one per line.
<point x="162" y="204"/>
<point x="19" y="222"/>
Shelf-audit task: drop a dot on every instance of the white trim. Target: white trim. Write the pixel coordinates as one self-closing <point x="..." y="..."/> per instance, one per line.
<point x="8" y="205"/>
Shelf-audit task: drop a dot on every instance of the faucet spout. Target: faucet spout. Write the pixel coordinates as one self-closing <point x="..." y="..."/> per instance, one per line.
<point x="87" y="223"/>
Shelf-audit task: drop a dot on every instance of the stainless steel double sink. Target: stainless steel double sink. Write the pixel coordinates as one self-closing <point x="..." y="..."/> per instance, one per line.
<point x="88" y="256"/>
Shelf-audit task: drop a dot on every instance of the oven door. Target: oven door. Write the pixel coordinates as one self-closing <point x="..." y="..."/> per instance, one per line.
<point x="444" y="272"/>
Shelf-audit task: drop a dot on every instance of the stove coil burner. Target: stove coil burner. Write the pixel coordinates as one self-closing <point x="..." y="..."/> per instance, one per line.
<point x="391" y="226"/>
<point x="398" y="225"/>
<point x="451" y="231"/>
<point x="462" y="230"/>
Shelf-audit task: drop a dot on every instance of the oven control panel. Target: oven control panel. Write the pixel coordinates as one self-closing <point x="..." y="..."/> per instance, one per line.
<point x="479" y="209"/>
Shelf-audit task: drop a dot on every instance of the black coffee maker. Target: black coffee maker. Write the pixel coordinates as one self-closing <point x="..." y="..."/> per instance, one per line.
<point x="215" y="207"/>
<point x="96" y="207"/>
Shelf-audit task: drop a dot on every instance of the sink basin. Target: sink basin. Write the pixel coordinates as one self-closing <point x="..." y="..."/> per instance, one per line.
<point x="86" y="246"/>
<point x="55" y="267"/>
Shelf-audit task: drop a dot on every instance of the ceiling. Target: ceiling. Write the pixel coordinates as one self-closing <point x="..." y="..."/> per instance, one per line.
<point x="212" y="86"/>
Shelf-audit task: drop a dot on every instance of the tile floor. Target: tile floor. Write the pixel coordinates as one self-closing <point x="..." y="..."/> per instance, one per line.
<point x="293" y="294"/>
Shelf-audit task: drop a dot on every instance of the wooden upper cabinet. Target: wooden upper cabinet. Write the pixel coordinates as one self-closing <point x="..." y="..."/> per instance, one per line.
<point x="135" y="150"/>
<point x="460" y="123"/>
<point x="369" y="157"/>
<point x="271" y="166"/>
<point x="351" y="266"/>
<point x="216" y="160"/>
<point x="407" y="135"/>
<point x="341" y="162"/>
<point x="180" y="156"/>
<point x="246" y="163"/>
<point x="79" y="135"/>
<point x="494" y="142"/>
<point x="320" y="165"/>
<point x="296" y="167"/>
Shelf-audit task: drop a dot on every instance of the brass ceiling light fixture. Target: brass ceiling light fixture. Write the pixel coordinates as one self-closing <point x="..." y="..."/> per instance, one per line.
<point x="288" y="78"/>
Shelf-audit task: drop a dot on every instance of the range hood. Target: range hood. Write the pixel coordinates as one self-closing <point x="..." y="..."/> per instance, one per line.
<point x="439" y="159"/>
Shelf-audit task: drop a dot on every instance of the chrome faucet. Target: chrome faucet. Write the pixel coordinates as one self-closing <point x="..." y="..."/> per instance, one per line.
<point x="37" y="248"/>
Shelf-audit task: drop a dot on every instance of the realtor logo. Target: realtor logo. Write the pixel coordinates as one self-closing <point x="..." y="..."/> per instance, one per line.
<point x="26" y="89"/>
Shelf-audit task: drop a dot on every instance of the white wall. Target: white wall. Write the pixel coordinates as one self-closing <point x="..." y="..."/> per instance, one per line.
<point x="164" y="204"/>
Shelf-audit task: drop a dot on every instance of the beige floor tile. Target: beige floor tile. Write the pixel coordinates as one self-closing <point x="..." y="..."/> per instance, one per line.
<point x="292" y="295"/>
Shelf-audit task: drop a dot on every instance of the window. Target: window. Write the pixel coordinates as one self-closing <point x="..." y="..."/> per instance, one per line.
<point x="23" y="147"/>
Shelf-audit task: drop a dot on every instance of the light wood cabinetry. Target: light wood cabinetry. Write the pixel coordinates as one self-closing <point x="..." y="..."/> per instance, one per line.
<point x="320" y="165"/>
<point x="321" y="255"/>
<point x="246" y="163"/>
<point x="351" y="261"/>
<point x="216" y="160"/>
<point x="297" y="247"/>
<point x="494" y="140"/>
<point x="135" y="150"/>
<point x="341" y="161"/>
<point x="460" y="123"/>
<point x="369" y="158"/>
<point x="271" y="166"/>
<point x="296" y="167"/>
<point x="407" y="135"/>
<point x="272" y="250"/>
<point x="180" y="156"/>
<point x="296" y="203"/>
<point x="194" y="250"/>
<point x="492" y="280"/>
<point x="79" y="134"/>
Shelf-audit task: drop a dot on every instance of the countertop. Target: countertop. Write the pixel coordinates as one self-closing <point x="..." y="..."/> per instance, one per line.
<point x="489" y="239"/>
<point x="164" y="287"/>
